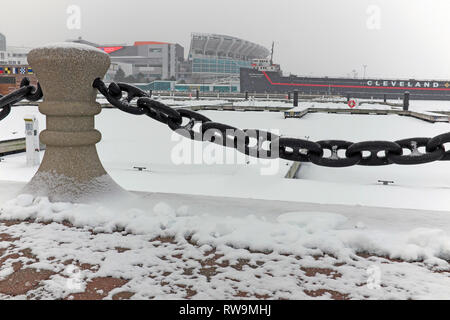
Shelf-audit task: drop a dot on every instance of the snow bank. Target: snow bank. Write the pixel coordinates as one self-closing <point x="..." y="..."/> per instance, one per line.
<point x="297" y="233"/>
<point x="62" y="188"/>
<point x="70" y="45"/>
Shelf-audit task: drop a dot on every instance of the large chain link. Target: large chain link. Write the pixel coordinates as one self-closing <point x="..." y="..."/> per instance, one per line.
<point x="26" y="91"/>
<point x="262" y="144"/>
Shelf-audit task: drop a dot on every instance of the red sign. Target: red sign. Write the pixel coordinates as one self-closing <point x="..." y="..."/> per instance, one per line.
<point x="110" y="49"/>
<point x="352" y="104"/>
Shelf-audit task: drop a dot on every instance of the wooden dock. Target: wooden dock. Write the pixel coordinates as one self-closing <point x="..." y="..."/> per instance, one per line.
<point x="293" y="171"/>
<point x="12" y="146"/>
<point x="230" y="107"/>
<point x="437" y="116"/>
<point x="15" y="146"/>
<point x="418" y="115"/>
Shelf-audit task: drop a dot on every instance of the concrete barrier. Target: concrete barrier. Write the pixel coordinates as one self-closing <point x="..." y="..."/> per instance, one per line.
<point x="71" y="169"/>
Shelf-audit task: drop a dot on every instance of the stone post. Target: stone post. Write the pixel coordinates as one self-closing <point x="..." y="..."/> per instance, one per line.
<point x="71" y="169"/>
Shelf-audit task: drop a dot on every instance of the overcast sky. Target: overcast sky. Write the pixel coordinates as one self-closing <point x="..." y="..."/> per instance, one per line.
<point x="394" y="38"/>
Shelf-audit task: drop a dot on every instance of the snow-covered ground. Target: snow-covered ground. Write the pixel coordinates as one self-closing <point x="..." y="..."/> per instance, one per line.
<point x="180" y="103"/>
<point x="427" y="107"/>
<point x="226" y="230"/>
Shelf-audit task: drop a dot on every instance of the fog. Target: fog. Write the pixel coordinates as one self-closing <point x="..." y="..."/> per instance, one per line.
<point x="394" y="38"/>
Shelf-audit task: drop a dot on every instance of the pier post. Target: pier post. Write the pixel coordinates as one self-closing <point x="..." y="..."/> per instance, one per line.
<point x="385" y="98"/>
<point x="406" y="101"/>
<point x="295" y="98"/>
<point x="197" y="94"/>
<point x="246" y="95"/>
<point x="289" y="96"/>
<point x="150" y="93"/>
<point x="71" y="169"/>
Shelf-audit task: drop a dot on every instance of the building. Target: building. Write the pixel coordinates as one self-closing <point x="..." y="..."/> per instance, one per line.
<point x="127" y="69"/>
<point x="156" y="86"/>
<point x="2" y="42"/>
<point x="82" y="41"/>
<point x="212" y="58"/>
<point x="184" y="71"/>
<point x="11" y="76"/>
<point x="215" y="56"/>
<point x="13" y="67"/>
<point x="147" y="60"/>
<point x="12" y="55"/>
<point x="150" y="60"/>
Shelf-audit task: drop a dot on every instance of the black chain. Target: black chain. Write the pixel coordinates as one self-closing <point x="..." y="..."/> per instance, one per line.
<point x="26" y="91"/>
<point x="251" y="142"/>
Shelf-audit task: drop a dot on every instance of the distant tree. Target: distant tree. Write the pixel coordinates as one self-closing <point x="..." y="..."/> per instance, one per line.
<point x="120" y="75"/>
<point x="130" y="79"/>
<point x="172" y="78"/>
<point x="140" y="77"/>
<point x="182" y="81"/>
<point x="158" y="78"/>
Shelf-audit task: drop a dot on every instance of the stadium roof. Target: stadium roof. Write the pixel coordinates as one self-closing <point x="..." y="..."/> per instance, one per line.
<point x="222" y="45"/>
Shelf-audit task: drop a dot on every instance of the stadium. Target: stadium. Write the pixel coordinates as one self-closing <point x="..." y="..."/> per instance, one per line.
<point x="214" y="57"/>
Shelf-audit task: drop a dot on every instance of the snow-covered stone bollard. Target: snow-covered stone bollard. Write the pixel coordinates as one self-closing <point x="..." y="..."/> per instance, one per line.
<point x="71" y="169"/>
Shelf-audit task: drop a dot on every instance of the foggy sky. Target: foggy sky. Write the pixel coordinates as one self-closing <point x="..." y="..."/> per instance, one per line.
<point x="312" y="37"/>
